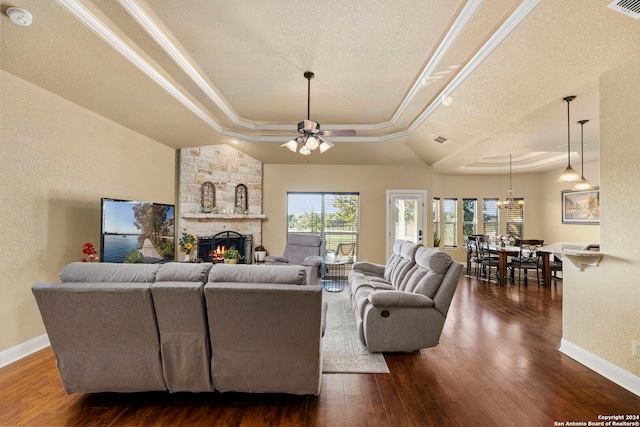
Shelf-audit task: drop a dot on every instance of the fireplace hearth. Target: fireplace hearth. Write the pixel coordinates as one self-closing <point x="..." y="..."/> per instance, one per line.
<point x="212" y="248"/>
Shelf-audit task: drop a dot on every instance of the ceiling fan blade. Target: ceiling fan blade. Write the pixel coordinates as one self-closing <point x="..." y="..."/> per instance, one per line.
<point x="339" y="132"/>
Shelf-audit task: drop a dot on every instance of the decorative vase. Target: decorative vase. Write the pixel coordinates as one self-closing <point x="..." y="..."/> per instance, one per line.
<point x="503" y="245"/>
<point x="230" y="261"/>
<point x="187" y="258"/>
<point x="260" y="255"/>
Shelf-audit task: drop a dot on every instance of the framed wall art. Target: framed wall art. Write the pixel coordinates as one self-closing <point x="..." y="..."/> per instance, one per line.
<point x="581" y="207"/>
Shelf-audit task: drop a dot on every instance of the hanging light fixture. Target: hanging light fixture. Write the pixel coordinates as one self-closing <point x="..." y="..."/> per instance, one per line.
<point x="583" y="184"/>
<point x="510" y="202"/>
<point x="569" y="174"/>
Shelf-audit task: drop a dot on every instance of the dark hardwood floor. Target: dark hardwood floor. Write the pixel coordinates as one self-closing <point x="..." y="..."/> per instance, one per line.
<point x="497" y="364"/>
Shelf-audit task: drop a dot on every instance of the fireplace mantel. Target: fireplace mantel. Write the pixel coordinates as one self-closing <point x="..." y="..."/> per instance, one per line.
<point x="222" y="216"/>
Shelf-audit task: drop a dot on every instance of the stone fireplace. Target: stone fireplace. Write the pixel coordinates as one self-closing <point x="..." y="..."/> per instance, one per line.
<point x="220" y="191"/>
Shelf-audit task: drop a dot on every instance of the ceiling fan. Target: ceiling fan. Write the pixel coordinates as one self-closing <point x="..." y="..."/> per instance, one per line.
<point x="311" y="135"/>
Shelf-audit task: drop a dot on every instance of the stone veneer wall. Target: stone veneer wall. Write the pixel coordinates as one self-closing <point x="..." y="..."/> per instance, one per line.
<point x="225" y="167"/>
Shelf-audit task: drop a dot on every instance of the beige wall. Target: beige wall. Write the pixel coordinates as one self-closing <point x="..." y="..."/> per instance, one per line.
<point x="57" y="161"/>
<point x="551" y="208"/>
<point x="601" y="305"/>
<point x="370" y="181"/>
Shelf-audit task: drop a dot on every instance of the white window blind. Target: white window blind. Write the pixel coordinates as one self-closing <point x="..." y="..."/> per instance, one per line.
<point x="490" y="219"/>
<point x="515" y="222"/>
<point x="450" y="210"/>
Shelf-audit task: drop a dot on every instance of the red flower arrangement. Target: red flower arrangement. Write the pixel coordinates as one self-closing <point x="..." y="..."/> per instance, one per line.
<point x="90" y="252"/>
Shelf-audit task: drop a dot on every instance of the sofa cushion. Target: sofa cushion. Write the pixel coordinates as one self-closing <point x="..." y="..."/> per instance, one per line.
<point x="184" y="272"/>
<point x="400" y="262"/>
<point x="431" y="266"/>
<point x="433" y="259"/>
<point x="276" y="274"/>
<point x="108" y="272"/>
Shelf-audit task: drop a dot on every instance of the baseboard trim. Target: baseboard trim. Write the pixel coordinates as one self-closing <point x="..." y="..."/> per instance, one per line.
<point x="607" y="369"/>
<point x="16" y="353"/>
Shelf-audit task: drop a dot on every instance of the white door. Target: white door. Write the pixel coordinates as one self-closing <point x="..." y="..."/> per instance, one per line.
<point x="405" y="216"/>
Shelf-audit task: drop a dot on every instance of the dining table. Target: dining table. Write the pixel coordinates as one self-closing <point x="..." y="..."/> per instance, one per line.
<point x="504" y="252"/>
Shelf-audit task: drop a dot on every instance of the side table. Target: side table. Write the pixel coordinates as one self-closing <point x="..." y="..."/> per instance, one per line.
<point x="334" y="280"/>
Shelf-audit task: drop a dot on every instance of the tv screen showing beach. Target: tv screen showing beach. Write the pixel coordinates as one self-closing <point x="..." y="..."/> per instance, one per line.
<point x="136" y="232"/>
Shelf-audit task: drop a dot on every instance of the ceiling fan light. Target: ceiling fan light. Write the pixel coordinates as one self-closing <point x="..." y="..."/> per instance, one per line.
<point x="291" y="145"/>
<point x="312" y="143"/>
<point x="325" y="146"/>
<point x="569" y="175"/>
<point x="305" y="150"/>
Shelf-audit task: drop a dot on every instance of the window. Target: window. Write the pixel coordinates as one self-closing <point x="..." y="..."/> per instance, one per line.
<point x="436" y="220"/>
<point x="469" y="218"/>
<point x="450" y="223"/>
<point x="490" y="217"/>
<point x="515" y="222"/>
<point x="335" y="217"/>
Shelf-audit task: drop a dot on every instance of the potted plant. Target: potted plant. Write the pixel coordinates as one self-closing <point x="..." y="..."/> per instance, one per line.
<point x="260" y="253"/>
<point x="436" y="239"/>
<point x="231" y="256"/>
<point x="187" y="242"/>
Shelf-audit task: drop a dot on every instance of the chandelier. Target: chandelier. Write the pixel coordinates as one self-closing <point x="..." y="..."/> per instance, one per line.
<point x="510" y="202"/>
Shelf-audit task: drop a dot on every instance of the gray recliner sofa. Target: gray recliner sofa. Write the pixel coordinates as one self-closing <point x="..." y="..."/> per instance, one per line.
<point x="184" y="328"/>
<point x="302" y="249"/>
<point x="402" y="305"/>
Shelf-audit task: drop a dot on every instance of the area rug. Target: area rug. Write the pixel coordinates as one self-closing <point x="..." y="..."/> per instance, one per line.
<point x="343" y="352"/>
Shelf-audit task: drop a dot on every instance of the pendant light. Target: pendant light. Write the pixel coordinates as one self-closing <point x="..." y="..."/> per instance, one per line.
<point x="583" y="185"/>
<point x="510" y="202"/>
<point x="569" y="174"/>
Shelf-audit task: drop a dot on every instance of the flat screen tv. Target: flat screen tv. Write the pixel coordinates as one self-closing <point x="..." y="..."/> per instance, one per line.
<point x="136" y="232"/>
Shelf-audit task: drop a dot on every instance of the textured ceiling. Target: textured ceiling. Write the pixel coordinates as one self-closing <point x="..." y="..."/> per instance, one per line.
<point x="199" y="72"/>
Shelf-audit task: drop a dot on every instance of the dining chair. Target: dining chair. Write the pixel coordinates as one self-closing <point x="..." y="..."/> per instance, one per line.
<point x="487" y="261"/>
<point x="472" y="254"/>
<point x="528" y="259"/>
<point x="474" y="259"/>
<point x="555" y="265"/>
<point x="346" y="252"/>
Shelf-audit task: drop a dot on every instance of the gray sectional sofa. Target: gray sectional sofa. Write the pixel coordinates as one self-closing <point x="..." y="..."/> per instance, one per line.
<point x="184" y="327"/>
<point x="402" y="305"/>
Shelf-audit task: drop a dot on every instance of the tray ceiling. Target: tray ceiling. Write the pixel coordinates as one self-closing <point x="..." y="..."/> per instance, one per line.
<point x="487" y="76"/>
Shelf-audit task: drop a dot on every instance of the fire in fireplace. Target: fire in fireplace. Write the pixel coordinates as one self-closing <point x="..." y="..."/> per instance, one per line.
<point x="212" y="248"/>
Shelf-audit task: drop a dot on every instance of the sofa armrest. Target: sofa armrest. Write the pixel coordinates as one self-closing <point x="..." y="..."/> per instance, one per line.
<point x="399" y="299"/>
<point x="312" y="261"/>
<point x="369" y="267"/>
<point x="276" y="259"/>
